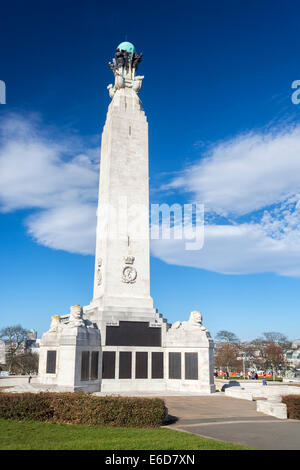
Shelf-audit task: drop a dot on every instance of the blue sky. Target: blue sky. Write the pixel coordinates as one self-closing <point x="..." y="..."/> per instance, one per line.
<point x="223" y="131"/>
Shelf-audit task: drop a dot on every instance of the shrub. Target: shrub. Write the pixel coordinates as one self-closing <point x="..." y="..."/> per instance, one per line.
<point x="25" y="406"/>
<point x="81" y="408"/>
<point x="293" y="405"/>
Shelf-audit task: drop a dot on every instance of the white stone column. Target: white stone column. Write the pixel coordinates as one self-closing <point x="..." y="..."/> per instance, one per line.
<point x="122" y="274"/>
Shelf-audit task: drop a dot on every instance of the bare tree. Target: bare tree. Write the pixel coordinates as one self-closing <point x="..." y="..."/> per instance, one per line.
<point x="15" y="339"/>
<point x="27" y="363"/>
<point x="273" y="337"/>
<point x="248" y="351"/>
<point x="227" y="337"/>
<point x="270" y="349"/>
<point x="227" y="357"/>
<point x="274" y="357"/>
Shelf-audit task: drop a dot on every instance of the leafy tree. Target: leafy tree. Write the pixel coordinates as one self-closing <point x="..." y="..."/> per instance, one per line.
<point x="15" y="339"/>
<point x="226" y="336"/>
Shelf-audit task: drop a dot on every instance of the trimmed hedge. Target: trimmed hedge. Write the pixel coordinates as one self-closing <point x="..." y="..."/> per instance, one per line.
<point x="81" y="408"/>
<point x="293" y="405"/>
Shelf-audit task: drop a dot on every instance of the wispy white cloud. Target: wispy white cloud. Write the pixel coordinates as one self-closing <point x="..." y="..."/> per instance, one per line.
<point x="236" y="249"/>
<point x="252" y="181"/>
<point x="70" y="227"/>
<point x="246" y="173"/>
<point x="254" y="177"/>
<point x="55" y="176"/>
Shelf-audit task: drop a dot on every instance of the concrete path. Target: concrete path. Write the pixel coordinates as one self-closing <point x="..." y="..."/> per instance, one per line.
<point x="233" y="420"/>
<point x="14" y="380"/>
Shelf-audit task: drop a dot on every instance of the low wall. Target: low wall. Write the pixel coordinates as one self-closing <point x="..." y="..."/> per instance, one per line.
<point x="272" y="407"/>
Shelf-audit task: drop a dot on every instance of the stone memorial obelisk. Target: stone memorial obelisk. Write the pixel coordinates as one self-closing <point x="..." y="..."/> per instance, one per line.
<point x="119" y="342"/>
<point x="122" y="276"/>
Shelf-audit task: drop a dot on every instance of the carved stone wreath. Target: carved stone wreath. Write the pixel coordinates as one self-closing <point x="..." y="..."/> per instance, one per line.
<point x="129" y="273"/>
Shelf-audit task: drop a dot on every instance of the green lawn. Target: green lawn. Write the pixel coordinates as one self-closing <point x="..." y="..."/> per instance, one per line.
<point x="16" y="435"/>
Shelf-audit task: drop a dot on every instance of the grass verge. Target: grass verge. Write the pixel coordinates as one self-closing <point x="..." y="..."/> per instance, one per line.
<point x="32" y="435"/>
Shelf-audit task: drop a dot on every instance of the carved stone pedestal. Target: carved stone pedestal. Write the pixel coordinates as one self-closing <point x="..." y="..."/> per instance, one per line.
<point x="70" y="354"/>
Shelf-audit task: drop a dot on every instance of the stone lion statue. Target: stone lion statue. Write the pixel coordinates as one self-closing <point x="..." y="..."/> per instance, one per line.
<point x="195" y="321"/>
<point x="75" y="318"/>
<point x="55" y="324"/>
<point x="195" y="318"/>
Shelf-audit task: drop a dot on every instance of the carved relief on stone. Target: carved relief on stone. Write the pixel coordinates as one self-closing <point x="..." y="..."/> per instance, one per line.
<point x="99" y="273"/>
<point x="55" y="325"/>
<point x="126" y="61"/>
<point x="111" y="90"/>
<point x="137" y="83"/>
<point x="195" y="321"/>
<point x="124" y="67"/>
<point x="129" y="273"/>
<point x="75" y="318"/>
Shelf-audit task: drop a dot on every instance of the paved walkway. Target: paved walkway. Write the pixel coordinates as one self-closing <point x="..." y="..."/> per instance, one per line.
<point x="233" y="420"/>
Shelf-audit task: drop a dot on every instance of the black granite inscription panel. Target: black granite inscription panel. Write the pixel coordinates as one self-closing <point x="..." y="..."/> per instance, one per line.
<point x="157" y="371"/>
<point x="141" y="365"/>
<point x="125" y="365"/>
<point x="175" y="365"/>
<point x="130" y="333"/>
<point x="191" y="366"/>
<point x="94" y="365"/>
<point x="108" y="364"/>
<point x="51" y="362"/>
<point x="85" y="365"/>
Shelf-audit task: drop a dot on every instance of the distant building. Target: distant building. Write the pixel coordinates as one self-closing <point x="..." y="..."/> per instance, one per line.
<point x="296" y="344"/>
<point x="32" y="335"/>
<point x="32" y="344"/>
<point x="293" y="355"/>
<point x="34" y="348"/>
